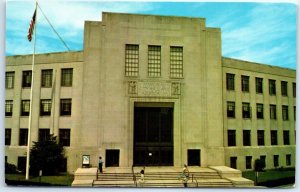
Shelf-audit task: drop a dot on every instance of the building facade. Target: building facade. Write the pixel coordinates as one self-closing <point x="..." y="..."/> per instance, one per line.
<point x="152" y="91"/>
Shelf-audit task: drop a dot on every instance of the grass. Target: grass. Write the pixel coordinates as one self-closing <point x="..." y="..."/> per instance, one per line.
<point x="59" y="180"/>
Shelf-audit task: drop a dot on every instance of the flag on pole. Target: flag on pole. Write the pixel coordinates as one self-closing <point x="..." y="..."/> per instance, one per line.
<point x="31" y="26"/>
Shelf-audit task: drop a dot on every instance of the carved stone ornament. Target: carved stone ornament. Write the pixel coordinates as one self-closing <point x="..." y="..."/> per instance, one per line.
<point x="175" y="89"/>
<point x="158" y="89"/>
<point x="132" y="87"/>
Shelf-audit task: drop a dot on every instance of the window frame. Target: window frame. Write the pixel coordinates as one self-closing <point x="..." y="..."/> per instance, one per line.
<point x="274" y="137"/>
<point x="286" y="137"/>
<point x="154" y="61"/>
<point x="259" y="114"/>
<point x="285" y="112"/>
<point x="246" y="110"/>
<point x="7" y="136"/>
<point x="46" y="78"/>
<point x="272" y="87"/>
<point x="230" y="81"/>
<point x="230" y="112"/>
<point x="26" y="79"/>
<point x="176" y="61"/>
<point x="260" y="137"/>
<point x="131" y="60"/>
<point x="259" y="85"/>
<point x="9" y="79"/>
<point x="9" y="108"/>
<point x="246" y="137"/>
<point x="231" y="138"/>
<point x="24" y="107"/>
<point x="273" y="112"/>
<point x="65" y="107"/>
<point x="66" y="77"/>
<point x="245" y="83"/>
<point x="44" y="134"/>
<point x="23" y="137"/>
<point x="65" y="137"/>
<point x="284" y="88"/>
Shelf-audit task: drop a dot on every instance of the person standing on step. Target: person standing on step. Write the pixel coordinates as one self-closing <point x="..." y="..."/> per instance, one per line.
<point x="142" y="177"/>
<point x="185" y="175"/>
<point x="100" y="164"/>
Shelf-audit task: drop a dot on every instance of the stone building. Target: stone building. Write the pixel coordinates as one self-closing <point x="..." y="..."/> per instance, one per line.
<point x="152" y="91"/>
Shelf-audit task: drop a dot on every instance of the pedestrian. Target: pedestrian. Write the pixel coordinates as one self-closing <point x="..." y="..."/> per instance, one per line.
<point x="185" y="175"/>
<point x="100" y="164"/>
<point x="142" y="177"/>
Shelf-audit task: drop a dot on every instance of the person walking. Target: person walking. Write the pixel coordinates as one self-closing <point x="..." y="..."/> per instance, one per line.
<point x="185" y="175"/>
<point x="100" y="164"/>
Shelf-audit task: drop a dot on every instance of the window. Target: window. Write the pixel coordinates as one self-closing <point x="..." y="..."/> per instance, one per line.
<point x="295" y="113"/>
<point x="285" y="112"/>
<point x="260" y="137"/>
<point x="230" y="81"/>
<point x="248" y="162"/>
<point x="45" y="107"/>
<point x="230" y="109"/>
<point x="26" y="80"/>
<point x="288" y="160"/>
<point x="231" y="138"/>
<point x="131" y="60"/>
<point x="233" y="162"/>
<point x="25" y="107"/>
<point x="66" y="77"/>
<point x="154" y="60"/>
<point x="274" y="137"/>
<point x="272" y="111"/>
<point x="176" y="62"/>
<point x="23" y="137"/>
<point x="9" y="80"/>
<point x="245" y="83"/>
<point x="44" y="134"/>
<point x="7" y="136"/>
<point x="284" y="91"/>
<point x="64" y="137"/>
<point x="46" y="78"/>
<point x="8" y="108"/>
<point x="246" y="110"/>
<point x="246" y="137"/>
<point x="259" y="85"/>
<point x="21" y="163"/>
<point x="276" y="160"/>
<point x="263" y="158"/>
<point x="272" y="87"/>
<point x="65" y="107"/>
<point x="260" y="111"/>
<point x="294" y="90"/>
<point x="286" y="137"/>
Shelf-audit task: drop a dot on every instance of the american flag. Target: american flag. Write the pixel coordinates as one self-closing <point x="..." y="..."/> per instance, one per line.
<point x="31" y="26"/>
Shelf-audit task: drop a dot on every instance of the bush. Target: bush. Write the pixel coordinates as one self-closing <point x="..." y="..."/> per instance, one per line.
<point x="10" y="168"/>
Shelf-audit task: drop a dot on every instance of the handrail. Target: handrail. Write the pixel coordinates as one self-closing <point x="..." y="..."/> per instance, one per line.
<point x="195" y="180"/>
<point x="133" y="176"/>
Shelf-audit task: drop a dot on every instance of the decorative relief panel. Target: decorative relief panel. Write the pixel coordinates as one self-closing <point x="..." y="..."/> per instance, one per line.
<point x="161" y="89"/>
<point x="175" y="88"/>
<point x="132" y="87"/>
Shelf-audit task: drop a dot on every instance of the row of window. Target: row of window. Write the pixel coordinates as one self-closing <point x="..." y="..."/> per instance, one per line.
<point x="245" y="83"/>
<point x="46" y="78"/>
<point x="45" y="107"/>
<point x="246" y="111"/>
<point x="248" y="160"/>
<point x="154" y="61"/>
<point x="231" y="139"/>
<point x="44" y="134"/>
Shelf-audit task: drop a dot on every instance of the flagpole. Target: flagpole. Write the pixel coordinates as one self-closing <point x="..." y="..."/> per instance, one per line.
<point x="31" y="97"/>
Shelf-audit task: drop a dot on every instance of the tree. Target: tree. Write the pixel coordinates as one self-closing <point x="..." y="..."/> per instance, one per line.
<point x="46" y="155"/>
<point x="259" y="165"/>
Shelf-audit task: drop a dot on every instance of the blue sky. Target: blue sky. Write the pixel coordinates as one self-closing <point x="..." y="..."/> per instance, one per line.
<point x="258" y="32"/>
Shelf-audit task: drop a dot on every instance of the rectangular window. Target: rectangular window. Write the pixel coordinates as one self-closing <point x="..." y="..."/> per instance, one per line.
<point x="64" y="137"/>
<point x="295" y="115"/>
<point x="259" y="85"/>
<point x="44" y="134"/>
<point x="285" y="112"/>
<point x="25" y="107"/>
<point x="66" y="77"/>
<point x="274" y="137"/>
<point x="9" y="80"/>
<point x="8" y="108"/>
<point x="272" y="87"/>
<point x="246" y="138"/>
<point x="288" y="160"/>
<point x="7" y="136"/>
<point x="260" y="137"/>
<point x="230" y="109"/>
<point x="286" y="137"/>
<point x="263" y="158"/>
<point x="294" y="90"/>
<point x="248" y="162"/>
<point x="231" y="138"/>
<point x="230" y="81"/>
<point x="246" y="110"/>
<point x="233" y="163"/>
<point x="245" y="83"/>
<point x="276" y="160"/>
<point x="154" y="61"/>
<point x="22" y="163"/>
<point x="26" y="79"/>
<point x="65" y="107"/>
<point x="284" y="91"/>
<point x="46" y="78"/>
<point x="45" y="107"/>
<point x="131" y="60"/>
<point x="176" y="62"/>
<point x="23" y="137"/>
<point x="273" y="112"/>
<point x="260" y="111"/>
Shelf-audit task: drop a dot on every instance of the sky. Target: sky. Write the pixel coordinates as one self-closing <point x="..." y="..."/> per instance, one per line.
<point x="258" y="32"/>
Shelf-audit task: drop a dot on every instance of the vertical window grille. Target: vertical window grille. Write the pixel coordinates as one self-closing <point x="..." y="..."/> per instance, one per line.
<point x="8" y="108"/>
<point x="176" y="62"/>
<point x="230" y="109"/>
<point x="273" y="112"/>
<point x="46" y="78"/>
<point x="26" y="79"/>
<point x="9" y="80"/>
<point x="230" y="81"/>
<point x="245" y="83"/>
<point x="272" y="87"/>
<point x="64" y="137"/>
<point x="259" y="111"/>
<point x="25" y="107"/>
<point x="131" y="60"/>
<point x="66" y="77"/>
<point x="45" y="107"/>
<point x="259" y="85"/>
<point x="65" y="107"/>
<point x="284" y="91"/>
<point x="154" y="61"/>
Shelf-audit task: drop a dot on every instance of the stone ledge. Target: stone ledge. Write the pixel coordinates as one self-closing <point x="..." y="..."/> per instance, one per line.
<point x="226" y="172"/>
<point x="240" y="181"/>
<point x="83" y="183"/>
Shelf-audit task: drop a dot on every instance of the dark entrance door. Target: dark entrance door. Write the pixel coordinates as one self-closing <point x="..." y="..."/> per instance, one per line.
<point x="194" y="157"/>
<point x="153" y="136"/>
<point x="112" y="158"/>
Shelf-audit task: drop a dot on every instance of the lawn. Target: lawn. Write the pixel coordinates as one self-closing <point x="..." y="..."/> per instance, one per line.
<point x="59" y="180"/>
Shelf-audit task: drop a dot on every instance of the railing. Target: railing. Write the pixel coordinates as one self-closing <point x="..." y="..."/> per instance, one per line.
<point x="195" y="180"/>
<point x="133" y="176"/>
